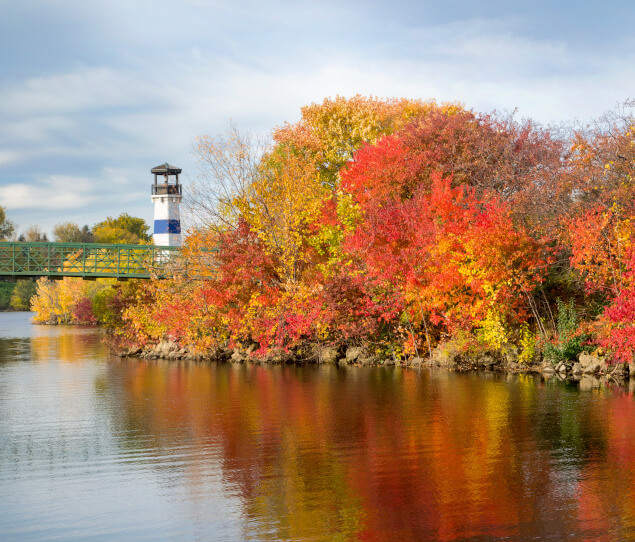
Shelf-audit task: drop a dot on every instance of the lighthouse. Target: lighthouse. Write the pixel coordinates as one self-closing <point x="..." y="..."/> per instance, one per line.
<point x="166" y="196"/>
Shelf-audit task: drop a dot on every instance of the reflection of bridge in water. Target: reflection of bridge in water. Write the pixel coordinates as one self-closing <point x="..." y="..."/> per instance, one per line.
<point x="88" y="260"/>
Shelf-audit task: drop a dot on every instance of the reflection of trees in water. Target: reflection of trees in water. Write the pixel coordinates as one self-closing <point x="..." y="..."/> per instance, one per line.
<point x="67" y="344"/>
<point x="381" y="453"/>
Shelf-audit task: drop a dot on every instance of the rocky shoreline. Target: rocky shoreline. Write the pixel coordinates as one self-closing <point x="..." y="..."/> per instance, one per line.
<point x="592" y="368"/>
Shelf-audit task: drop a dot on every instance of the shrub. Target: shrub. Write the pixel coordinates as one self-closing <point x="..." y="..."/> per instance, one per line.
<point x="568" y="341"/>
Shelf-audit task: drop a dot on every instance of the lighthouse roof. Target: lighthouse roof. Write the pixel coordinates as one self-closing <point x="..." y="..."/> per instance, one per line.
<point x="166" y="168"/>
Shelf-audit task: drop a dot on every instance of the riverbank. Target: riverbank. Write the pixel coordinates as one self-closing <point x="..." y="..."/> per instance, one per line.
<point x="591" y="369"/>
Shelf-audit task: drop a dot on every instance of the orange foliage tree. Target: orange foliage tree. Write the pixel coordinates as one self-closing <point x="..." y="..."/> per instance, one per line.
<point x="396" y="223"/>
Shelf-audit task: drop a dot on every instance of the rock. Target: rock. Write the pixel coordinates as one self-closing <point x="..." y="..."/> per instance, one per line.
<point x="547" y="370"/>
<point x="512" y="366"/>
<point x="445" y="355"/>
<point x="510" y="355"/>
<point x="237" y="357"/>
<point x="577" y="368"/>
<point x="164" y="348"/>
<point x="353" y="353"/>
<point x="486" y="360"/>
<point x="416" y="362"/>
<point x="328" y="354"/>
<point x="586" y="360"/>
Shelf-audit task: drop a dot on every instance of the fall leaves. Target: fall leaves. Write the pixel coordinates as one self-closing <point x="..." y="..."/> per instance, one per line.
<point x="398" y="223"/>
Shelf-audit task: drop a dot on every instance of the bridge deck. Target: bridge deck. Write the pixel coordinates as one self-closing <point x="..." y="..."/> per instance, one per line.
<point x="87" y="260"/>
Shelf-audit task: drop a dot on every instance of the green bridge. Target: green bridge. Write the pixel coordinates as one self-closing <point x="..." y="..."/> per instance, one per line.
<point x="88" y="260"/>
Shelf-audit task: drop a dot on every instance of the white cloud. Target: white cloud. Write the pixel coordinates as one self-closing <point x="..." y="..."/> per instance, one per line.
<point x="84" y="89"/>
<point x="92" y="133"/>
<point x="56" y="192"/>
<point x="9" y="157"/>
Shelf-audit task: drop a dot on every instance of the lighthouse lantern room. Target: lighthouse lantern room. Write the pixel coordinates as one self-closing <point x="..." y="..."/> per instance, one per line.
<point x="166" y="196"/>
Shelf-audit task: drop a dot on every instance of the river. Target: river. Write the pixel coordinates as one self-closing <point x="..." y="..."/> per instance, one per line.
<point x="97" y="448"/>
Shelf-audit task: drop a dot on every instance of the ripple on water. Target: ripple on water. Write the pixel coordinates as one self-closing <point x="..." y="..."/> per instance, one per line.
<point x="103" y="449"/>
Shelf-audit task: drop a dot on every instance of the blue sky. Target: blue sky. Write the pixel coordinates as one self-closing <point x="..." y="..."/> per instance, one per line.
<point x="95" y="93"/>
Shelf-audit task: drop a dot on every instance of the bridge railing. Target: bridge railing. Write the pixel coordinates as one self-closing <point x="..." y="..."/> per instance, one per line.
<point x="87" y="260"/>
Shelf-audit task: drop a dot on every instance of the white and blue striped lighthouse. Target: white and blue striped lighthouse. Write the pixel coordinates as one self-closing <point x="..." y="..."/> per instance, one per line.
<point x="166" y="196"/>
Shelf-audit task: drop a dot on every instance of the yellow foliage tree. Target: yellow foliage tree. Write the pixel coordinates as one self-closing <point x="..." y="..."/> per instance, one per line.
<point x="333" y="130"/>
<point x="55" y="301"/>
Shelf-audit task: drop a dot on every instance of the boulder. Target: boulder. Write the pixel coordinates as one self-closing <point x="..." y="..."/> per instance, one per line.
<point x="328" y="354"/>
<point x="577" y="368"/>
<point x="237" y="357"/>
<point x="445" y="356"/>
<point x="510" y="355"/>
<point x="486" y="360"/>
<point x="353" y="353"/>
<point x="587" y="360"/>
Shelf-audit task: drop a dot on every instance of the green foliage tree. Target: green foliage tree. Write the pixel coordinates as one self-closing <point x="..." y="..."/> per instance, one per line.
<point x="69" y="232"/>
<point x="22" y="293"/>
<point x="6" y="226"/>
<point x="6" y="290"/>
<point x="124" y="229"/>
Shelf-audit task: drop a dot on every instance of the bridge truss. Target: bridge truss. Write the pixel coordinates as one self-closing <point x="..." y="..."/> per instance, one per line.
<point x="88" y="260"/>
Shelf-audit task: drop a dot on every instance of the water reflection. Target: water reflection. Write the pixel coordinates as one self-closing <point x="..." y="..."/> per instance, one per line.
<point x="99" y="447"/>
<point x="383" y="454"/>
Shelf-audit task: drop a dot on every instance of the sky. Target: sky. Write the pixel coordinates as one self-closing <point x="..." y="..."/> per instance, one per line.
<point x="93" y="93"/>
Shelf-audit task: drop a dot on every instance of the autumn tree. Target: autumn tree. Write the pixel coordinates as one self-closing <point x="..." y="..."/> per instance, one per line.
<point x="69" y="232"/>
<point x="603" y="161"/>
<point x="455" y="257"/>
<point x="331" y="132"/>
<point x="33" y="234"/>
<point x="486" y="152"/>
<point x="599" y="228"/>
<point x="124" y="229"/>
<point x="390" y="222"/>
